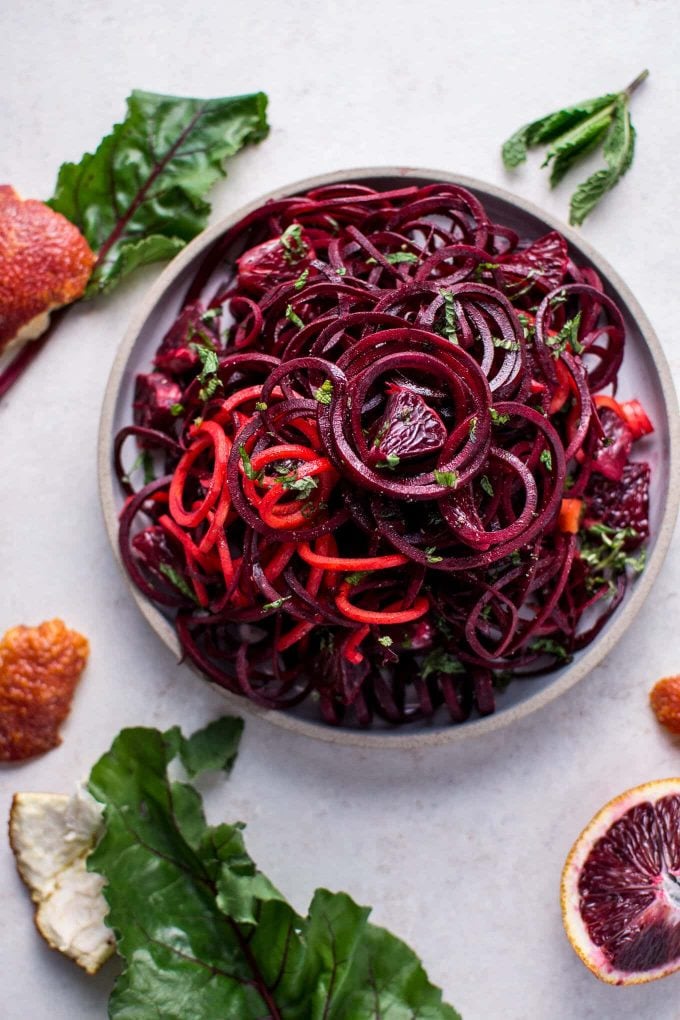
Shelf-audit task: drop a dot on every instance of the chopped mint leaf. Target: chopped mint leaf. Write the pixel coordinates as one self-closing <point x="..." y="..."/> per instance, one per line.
<point x="546" y="646"/>
<point x="276" y="604"/>
<point x="177" y="580"/>
<point x="293" y="244"/>
<point x="472" y="428"/>
<point x="431" y="555"/>
<point x="396" y="257"/>
<point x="546" y="458"/>
<point x="356" y="577"/>
<point x="568" y="335"/>
<point x="293" y="317"/>
<point x="145" y="461"/>
<point x="385" y="641"/>
<point x="302" y="486"/>
<point x="486" y="485"/>
<point x="447" y="478"/>
<point x="248" y="469"/>
<point x="506" y="345"/>
<point x="260" y="405"/>
<point x="439" y="661"/>
<point x="324" y="393"/>
<point x="449" y="326"/>
<point x="176" y="410"/>
<point x="211" y="313"/>
<point x="391" y="461"/>
<point x="302" y="279"/>
<point x="498" y="419"/>
<point x="341" y="271"/>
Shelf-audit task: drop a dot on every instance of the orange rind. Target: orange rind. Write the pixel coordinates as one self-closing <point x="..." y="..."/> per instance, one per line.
<point x="39" y="669"/>
<point x="620" y="892"/>
<point x="45" y="262"/>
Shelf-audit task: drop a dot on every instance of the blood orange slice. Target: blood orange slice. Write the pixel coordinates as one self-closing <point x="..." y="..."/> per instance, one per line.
<point x="621" y="886"/>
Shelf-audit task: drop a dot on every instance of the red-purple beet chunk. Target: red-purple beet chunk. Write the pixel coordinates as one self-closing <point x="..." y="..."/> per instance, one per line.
<point x="277" y="261"/>
<point x="612" y="455"/>
<point x="623" y="504"/>
<point x="155" y="395"/>
<point x="408" y="428"/>
<point x="174" y="354"/>
<point x="543" y="262"/>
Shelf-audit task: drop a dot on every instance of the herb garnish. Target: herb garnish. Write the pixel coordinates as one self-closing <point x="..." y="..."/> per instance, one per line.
<point x="302" y="279"/>
<point x="498" y="419"/>
<point x="546" y="458"/>
<point x="210" y="365"/>
<point x="293" y="244"/>
<point x="276" y="604"/>
<point x="547" y="646"/>
<point x="439" y="661"/>
<point x="177" y="580"/>
<point x="568" y="335"/>
<point x="574" y="132"/>
<point x="447" y="478"/>
<point x="448" y="328"/>
<point x="324" y="393"/>
<point x="603" y="549"/>
<point x="486" y="485"/>
<point x="391" y="461"/>
<point x="293" y="317"/>
<point x="248" y="469"/>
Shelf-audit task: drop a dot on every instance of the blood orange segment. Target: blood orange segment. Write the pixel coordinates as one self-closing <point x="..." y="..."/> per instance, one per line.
<point x="621" y="886"/>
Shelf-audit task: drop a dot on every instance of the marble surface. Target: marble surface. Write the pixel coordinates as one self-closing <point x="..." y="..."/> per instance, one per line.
<point x="458" y="849"/>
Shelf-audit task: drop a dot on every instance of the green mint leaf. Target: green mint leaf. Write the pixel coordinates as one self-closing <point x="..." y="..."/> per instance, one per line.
<point x="486" y="485"/>
<point x="248" y="469"/>
<point x="472" y="428"/>
<point x="546" y="646"/>
<point x="209" y="361"/>
<point x="447" y="478"/>
<point x="546" y="458"/>
<point x="391" y="461"/>
<point x="449" y="325"/>
<point x="177" y="581"/>
<point x="498" y="419"/>
<point x="439" y="661"/>
<point x="302" y="279"/>
<point x="260" y="405"/>
<point x="301" y="486"/>
<point x="618" y="150"/>
<point x="397" y="257"/>
<point x="139" y="197"/>
<point x="293" y="317"/>
<point x="176" y="410"/>
<point x="568" y="335"/>
<point x="506" y="345"/>
<point x="197" y="923"/>
<point x="547" y="129"/>
<point x="355" y="578"/>
<point x="293" y="244"/>
<point x="210" y="314"/>
<point x="386" y="641"/>
<point x="576" y="144"/>
<point x="276" y="604"/>
<point x="143" y="460"/>
<point x="431" y="555"/>
<point x="324" y="393"/>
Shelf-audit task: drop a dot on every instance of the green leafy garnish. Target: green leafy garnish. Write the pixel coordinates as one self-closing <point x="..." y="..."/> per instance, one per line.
<point x="276" y="604"/>
<point x="202" y="932"/>
<point x="210" y="314"/>
<point x="386" y="641"/>
<point x="546" y="646"/>
<point x="324" y="393"/>
<point x="302" y="486"/>
<point x="260" y="405"/>
<point x="248" y="469"/>
<point x="546" y="458"/>
<point x="439" y="661"/>
<point x="486" y="485"/>
<point x="472" y="428"/>
<point x="293" y="317"/>
<point x="177" y="581"/>
<point x="447" y="478"/>
<point x="568" y="335"/>
<point x="302" y="279"/>
<point x="176" y="410"/>
<point x="498" y="419"/>
<point x="210" y="364"/>
<point x="431" y="555"/>
<point x="293" y="244"/>
<point x="506" y="345"/>
<point x="448" y="327"/>
<point x="575" y="131"/>
<point x="143" y="460"/>
<point x="355" y="578"/>
<point x="395" y="258"/>
<point x="604" y="550"/>
<point x="140" y="196"/>
<point x="391" y="461"/>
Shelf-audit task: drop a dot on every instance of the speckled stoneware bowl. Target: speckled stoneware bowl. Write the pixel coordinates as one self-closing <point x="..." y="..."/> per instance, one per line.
<point x="644" y="374"/>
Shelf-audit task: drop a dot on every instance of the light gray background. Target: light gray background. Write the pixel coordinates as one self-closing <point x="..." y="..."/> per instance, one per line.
<point x="459" y="849"/>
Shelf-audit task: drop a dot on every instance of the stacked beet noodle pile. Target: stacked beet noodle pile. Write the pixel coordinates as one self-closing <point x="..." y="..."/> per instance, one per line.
<point x="390" y="479"/>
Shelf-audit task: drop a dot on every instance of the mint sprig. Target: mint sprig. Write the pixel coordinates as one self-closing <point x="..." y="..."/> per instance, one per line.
<point x="574" y="132"/>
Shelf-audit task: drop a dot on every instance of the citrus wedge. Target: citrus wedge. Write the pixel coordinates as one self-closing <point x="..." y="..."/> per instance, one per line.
<point x="621" y="886"/>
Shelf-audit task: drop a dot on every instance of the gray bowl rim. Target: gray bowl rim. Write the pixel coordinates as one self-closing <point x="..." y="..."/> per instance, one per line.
<point x="407" y="737"/>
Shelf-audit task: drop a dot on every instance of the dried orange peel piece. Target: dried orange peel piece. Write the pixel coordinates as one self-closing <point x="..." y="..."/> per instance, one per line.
<point x="45" y="262"/>
<point x="39" y="669"/>
<point x="664" y="698"/>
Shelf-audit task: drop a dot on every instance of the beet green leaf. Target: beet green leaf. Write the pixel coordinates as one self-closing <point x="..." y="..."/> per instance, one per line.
<point x="204" y="934"/>
<point x="140" y="196"/>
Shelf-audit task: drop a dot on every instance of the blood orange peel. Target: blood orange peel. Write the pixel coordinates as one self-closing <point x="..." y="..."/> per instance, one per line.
<point x="620" y="892"/>
<point x="45" y="262"/>
<point x="664" y="698"/>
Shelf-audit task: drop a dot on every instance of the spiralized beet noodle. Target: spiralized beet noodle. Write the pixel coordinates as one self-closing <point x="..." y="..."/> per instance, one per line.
<point x="391" y="481"/>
